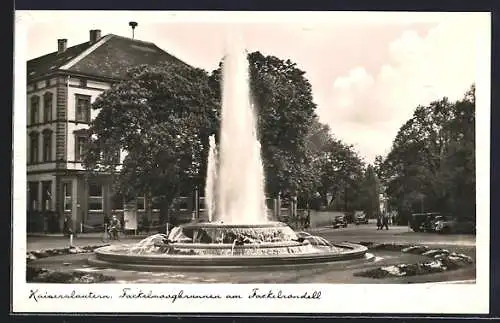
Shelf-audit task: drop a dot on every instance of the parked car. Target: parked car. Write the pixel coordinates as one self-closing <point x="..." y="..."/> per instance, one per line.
<point x="453" y="225"/>
<point x="423" y="222"/>
<point x="339" y="221"/>
<point x="360" y="217"/>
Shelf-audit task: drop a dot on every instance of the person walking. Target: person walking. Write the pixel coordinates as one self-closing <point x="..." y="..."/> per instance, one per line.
<point x="379" y="222"/>
<point x="67" y="225"/>
<point x="385" y="222"/>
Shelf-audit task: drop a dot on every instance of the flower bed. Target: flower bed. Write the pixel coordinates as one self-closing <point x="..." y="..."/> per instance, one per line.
<point x="39" y="254"/>
<point x="441" y="260"/>
<point x="42" y="275"/>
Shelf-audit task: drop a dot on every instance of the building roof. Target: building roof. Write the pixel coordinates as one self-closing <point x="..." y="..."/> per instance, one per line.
<point x="109" y="57"/>
<point x="50" y="63"/>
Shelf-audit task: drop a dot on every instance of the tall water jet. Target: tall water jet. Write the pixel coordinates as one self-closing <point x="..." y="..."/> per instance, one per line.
<point x="210" y="186"/>
<point x="240" y="184"/>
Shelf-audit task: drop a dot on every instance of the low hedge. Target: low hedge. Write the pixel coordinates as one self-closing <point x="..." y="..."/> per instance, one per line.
<point x="42" y="275"/>
<point x="39" y="254"/>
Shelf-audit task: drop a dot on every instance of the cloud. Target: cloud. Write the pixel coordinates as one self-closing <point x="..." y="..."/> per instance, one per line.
<point x="367" y="110"/>
<point x="367" y="73"/>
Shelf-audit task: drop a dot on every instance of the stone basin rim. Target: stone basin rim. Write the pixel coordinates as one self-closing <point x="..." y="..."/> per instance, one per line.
<point x="351" y="249"/>
<point x="247" y="267"/>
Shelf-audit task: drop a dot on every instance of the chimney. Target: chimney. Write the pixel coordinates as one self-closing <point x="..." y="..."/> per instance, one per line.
<point x="95" y="35"/>
<point x="62" y="44"/>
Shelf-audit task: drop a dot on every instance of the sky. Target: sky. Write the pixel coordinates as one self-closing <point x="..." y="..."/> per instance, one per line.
<point x="368" y="71"/>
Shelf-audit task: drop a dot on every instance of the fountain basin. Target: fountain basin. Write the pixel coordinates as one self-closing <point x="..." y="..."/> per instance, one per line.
<point x="227" y="246"/>
<point x="118" y="257"/>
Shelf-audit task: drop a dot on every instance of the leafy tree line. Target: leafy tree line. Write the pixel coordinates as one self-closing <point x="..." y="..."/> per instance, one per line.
<point x="431" y="166"/>
<point x="163" y="115"/>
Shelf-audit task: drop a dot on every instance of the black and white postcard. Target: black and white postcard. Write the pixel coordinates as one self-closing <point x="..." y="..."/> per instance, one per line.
<point x="298" y="162"/>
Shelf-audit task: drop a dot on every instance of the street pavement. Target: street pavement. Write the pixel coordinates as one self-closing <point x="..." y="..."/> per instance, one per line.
<point x="353" y="233"/>
<point x="397" y="234"/>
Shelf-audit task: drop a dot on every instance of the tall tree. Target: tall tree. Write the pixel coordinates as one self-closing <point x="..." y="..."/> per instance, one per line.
<point x="161" y="117"/>
<point x="369" y="193"/>
<point x="431" y="164"/>
<point x="341" y="171"/>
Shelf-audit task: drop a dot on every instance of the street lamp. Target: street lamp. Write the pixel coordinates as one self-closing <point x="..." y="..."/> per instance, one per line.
<point x="133" y="24"/>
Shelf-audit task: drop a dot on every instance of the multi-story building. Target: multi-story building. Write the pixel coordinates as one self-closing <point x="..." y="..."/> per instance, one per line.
<point x="61" y="87"/>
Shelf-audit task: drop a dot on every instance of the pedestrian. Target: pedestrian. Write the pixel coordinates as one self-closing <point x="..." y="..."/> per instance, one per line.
<point x="67" y="225"/>
<point x="379" y="222"/>
<point x="122" y="221"/>
<point x="106" y="221"/>
<point x="308" y="221"/>
<point x="385" y="222"/>
<point x="114" y="227"/>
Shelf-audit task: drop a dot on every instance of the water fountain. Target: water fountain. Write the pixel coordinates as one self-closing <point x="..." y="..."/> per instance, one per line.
<point x="239" y="233"/>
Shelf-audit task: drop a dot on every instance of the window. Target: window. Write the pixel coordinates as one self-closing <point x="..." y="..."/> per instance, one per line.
<point x="201" y="204"/>
<point x="47" y="145"/>
<point x="156" y="203"/>
<point x="47" y="107"/>
<point x="82" y="108"/>
<point x="183" y="204"/>
<point x="117" y="202"/>
<point x="141" y="203"/>
<point x="67" y="197"/>
<point x="33" y="196"/>
<point x="95" y="197"/>
<point x="34" y="111"/>
<point x="33" y="147"/>
<point x="79" y="147"/>
<point x="46" y="195"/>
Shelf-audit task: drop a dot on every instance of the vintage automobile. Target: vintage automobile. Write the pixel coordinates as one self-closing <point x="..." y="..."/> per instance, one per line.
<point x="360" y="218"/>
<point x="339" y="221"/>
<point x="423" y="222"/>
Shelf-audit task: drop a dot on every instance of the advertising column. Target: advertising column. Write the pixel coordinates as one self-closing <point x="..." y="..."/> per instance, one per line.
<point x="130" y="216"/>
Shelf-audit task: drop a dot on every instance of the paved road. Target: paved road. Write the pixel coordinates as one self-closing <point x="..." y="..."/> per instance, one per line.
<point x="400" y="234"/>
<point x="353" y="233"/>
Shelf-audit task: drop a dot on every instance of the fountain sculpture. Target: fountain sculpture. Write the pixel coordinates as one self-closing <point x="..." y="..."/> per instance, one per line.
<point x="239" y="232"/>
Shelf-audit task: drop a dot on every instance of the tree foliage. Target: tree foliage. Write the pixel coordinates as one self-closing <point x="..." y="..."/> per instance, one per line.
<point x="431" y="166"/>
<point x="369" y="193"/>
<point x="341" y="174"/>
<point x="161" y="117"/>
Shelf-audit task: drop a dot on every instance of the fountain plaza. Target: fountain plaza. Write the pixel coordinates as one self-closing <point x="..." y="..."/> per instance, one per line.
<point x="239" y="237"/>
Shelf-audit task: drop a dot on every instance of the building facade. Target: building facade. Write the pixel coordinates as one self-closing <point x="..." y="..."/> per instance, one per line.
<point x="61" y="86"/>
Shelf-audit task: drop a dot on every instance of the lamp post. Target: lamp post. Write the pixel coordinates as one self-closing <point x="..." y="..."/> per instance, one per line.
<point x="196" y="203"/>
<point x="133" y="24"/>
